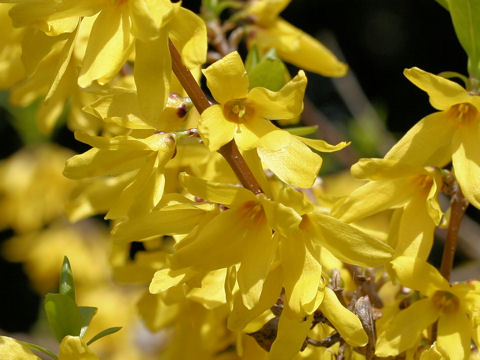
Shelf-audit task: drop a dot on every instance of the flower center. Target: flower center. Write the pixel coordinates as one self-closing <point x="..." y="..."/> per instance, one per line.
<point x="464" y="113"/>
<point x="422" y="183"/>
<point x="446" y="301"/>
<point x="239" y="110"/>
<point x="252" y="214"/>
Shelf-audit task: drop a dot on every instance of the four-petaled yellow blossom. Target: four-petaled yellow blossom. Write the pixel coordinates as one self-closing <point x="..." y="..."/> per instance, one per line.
<point x="448" y="135"/>
<point x="244" y="114"/>
<point x="453" y="306"/>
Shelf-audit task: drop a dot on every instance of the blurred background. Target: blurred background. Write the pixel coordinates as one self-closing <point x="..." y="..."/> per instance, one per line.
<point x="373" y="105"/>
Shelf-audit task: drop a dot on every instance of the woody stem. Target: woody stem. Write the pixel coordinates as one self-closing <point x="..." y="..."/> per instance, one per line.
<point x="458" y="206"/>
<point x="230" y="150"/>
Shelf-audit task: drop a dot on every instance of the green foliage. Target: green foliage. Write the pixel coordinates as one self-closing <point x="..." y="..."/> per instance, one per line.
<point x="39" y="348"/>
<point x="87" y="313"/>
<point x="63" y="315"/>
<point x="104" y="333"/>
<point x="67" y="286"/>
<point x="269" y="71"/>
<point x="466" y="21"/>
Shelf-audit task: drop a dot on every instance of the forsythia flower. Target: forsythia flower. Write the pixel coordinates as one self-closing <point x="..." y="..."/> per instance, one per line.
<point x="244" y="114"/>
<point x="410" y="189"/>
<point x="448" y="135"/>
<point x="453" y="307"/>
<point x="292" y="44"/>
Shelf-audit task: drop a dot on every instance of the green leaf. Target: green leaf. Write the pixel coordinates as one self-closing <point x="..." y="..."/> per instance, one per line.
<point x="39" y="348"/>
<point x="269" y="73"/>
<point x="67" y="285"/>
<point x="302" y="130"/>
<point x="466" y="21"/>
<point x="253" y="58"/>
<point x="63" y="315"/>
<point x="87" y="313"/>
<point x="452" y="75"/>
<point x="444" y="3"/>
<point x="104" y="333"/>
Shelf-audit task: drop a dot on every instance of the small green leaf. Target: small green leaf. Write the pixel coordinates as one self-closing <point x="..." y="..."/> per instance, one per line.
<point x="269" y="73"/>
<point x="104" y="333"/>
<point x="452" y="75"/>
<point x="466" y="21"/>
<point x="302" y="130"/>
<point x="63" y="315"/>
<point x="253" y="58"/>
<point x="67" y="285"/>
<point x="87" y="313"/>
<point x="39" y="348"/>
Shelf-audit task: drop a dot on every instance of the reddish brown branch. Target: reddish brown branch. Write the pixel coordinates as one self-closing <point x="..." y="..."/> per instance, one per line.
<point x="229" y="151"/>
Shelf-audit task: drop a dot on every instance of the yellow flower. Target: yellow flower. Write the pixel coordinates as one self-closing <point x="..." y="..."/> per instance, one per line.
<point x="12" y="349"/>
<point x="292" y="44"/>
<point x="410" y="189"/>
<point x="243" y="115"/>
<point x="74" y="348"/>
<point x="448" y="135"/>
<point x="453" y="307"/>
<point x="122" y="154"/>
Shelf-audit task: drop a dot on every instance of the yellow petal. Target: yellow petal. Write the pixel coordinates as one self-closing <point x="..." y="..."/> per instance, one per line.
<point x="255" y="264"/>
<point x="408" y="269"/>
<point x="227" y="78"/>
<point x="211" y="293"/>
<point x="108" y="48"/>
<point x="299" y="48"/>
<point x="73" y="348"/>
<point x="404" y="330"/>
<point x="372" y="198"/>
<point x="454" y="335"/>
<point x="347" y="323"/>
<point x="293" y="162"/>
<point x="349" y="244"/>
<point x="466" y="162"/>
<point x="189" y="33"/>
<point x="266" y="11"/>
<point x="415" y="237"/>
<point x="384" y="169"/>
<point x="291" y="334"/>
<point x="302" y="277"/>
<point x="426" y="143"/>
<point x="248" y="135"/>
<point x="216" y="192"/>
<point x="287" y="103"/>
<point x="322" y="145"/>
<point x="152" y="75"/>
<point x="214" y="129"/>
<point x="443" y="93"/>
<point x="148" y="17"/>
<point x="12" y="349"/>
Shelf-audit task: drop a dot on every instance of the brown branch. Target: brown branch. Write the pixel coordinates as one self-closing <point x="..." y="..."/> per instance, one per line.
<point x="458" y="206"/>
<point x="230" y="150"/>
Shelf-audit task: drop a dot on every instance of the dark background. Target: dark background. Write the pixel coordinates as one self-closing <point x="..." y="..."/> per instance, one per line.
<point x="378" y="39"/>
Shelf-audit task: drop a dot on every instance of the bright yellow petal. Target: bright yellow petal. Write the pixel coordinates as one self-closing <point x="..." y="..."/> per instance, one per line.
<point x="294" y="163"/>
<point x="454" y="335"/>
<point x="427" y="143"/>
<point x="108" y="48"/>
<point x="372" y="198"/>
<point x="295" y="46"/>
<point x="404" y="330"/>
<point x="255" y="264"/>
<point x="466" y="162"/>
<point x="347" y="323"/>
<point x="266" y="11"/>
<point x="322" y="145"/>
<point x="214" y="129"/>
<point x="291" y="334"/>
<point x="248" y="135"/>
<point x="348" y="243"/>
<point x="12" y="349"/>
<point x="384" y="169"/>
<point x="287" y="103"/>
<point x="302" y="277"/>
<point x="227" y="78"/>
<point x="408" y="271"/>
<point x="443" y="92"/>
<point x="152" y="75"/>
<point x="73" y="348"/>
<point x="415" y="238"/>
<point x="148" y="17"/>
